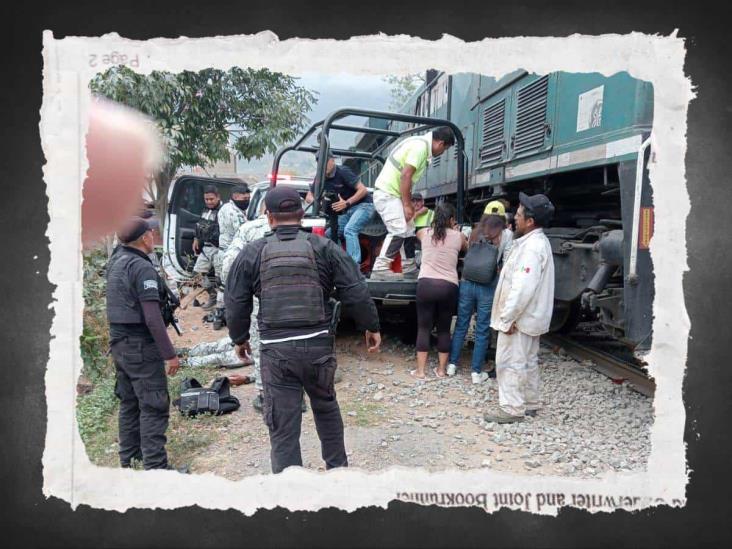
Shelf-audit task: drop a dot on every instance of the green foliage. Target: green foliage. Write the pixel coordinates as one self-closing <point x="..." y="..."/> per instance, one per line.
<point x="95" y="415"/>
<point x="402" y="88"/>
<point x="201" y="114"/>
<point x="94" y="339"/>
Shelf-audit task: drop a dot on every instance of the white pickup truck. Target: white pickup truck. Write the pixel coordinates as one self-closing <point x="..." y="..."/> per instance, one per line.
<point x="185" y="206"/>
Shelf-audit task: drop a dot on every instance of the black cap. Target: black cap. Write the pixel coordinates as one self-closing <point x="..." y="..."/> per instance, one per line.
<point x="135" y="228"/>
<point x="417" y="196"/>
<point x="283" y="199"/>
<point x="242" y="188"/>
<point x="539" y="205"/>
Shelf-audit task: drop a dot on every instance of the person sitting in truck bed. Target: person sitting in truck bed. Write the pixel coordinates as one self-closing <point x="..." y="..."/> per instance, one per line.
<point x="354" y="206"/>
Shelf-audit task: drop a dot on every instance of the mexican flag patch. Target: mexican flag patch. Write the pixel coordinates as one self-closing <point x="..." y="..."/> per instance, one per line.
<point x="527" y="270"/>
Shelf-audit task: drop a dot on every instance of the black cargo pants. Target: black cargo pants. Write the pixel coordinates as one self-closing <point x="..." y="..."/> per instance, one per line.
<point x="287" y="369"/>
<point x="142" y="389"/>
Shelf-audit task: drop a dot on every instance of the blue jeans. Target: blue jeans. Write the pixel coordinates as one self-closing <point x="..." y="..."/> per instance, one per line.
<point x="478" y="298"/>
<point x="350" y="224"/>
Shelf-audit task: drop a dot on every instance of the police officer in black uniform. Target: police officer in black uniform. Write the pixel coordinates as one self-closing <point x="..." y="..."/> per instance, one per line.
<point x="293" y="273"/>
<point x="140" y="346"/>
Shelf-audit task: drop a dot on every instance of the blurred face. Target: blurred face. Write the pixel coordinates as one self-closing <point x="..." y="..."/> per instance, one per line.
<point x="417" y="203"/>
<point x="211" y="200"/>
<point x="523" y="225"/>
<point x="148" y="242"/>
<point x="438" y="147"/>
<point x="330" y="167"/>
<point x="240" y="196"/>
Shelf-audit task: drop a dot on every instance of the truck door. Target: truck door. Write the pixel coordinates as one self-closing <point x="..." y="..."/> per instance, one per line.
<point x="185" y="206"/>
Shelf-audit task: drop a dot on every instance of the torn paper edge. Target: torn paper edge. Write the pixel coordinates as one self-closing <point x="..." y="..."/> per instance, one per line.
<point x="67" y="472"/>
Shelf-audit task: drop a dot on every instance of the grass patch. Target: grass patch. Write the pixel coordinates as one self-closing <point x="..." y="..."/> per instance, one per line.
<point x="97" y="420"/>
<point x="368" y="414"/>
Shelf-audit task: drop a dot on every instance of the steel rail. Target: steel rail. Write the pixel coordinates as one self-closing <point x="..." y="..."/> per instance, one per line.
<point x="605" y="363"/>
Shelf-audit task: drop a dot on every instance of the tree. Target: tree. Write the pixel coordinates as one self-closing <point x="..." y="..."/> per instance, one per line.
<point x="402" y="88"/>
<point x="203" y="115"/>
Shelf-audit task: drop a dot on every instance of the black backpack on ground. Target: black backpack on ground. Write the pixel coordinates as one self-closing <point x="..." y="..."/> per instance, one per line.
<point x="195" y="399"/>
<point x="481" y="262"/>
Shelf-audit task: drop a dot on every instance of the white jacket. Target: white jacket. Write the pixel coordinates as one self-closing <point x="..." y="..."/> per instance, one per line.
<point x="525" y="291"/>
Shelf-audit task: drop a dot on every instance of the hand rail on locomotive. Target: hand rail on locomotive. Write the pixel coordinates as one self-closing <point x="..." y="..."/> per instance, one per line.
<point x="633" y="262"/>
<point x="425" y="123"/>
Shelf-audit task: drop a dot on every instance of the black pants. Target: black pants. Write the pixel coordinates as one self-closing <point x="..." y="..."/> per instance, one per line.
<point x="411" y="244"/>
<point x="142" y="389"/>
<point x="436" y="303"/>
<point x="287" y="369"/>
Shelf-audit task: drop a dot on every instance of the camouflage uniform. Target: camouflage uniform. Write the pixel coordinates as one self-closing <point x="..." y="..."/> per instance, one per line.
<point x="212" y="353"/>
<point x="208" y="258"/>
<point x="248" y="232"/>
<point x="221" y="352"/>
<point x="230" y="219"/>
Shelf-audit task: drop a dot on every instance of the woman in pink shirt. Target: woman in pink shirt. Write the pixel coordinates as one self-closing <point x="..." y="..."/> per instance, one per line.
<point x="437" y="286"/>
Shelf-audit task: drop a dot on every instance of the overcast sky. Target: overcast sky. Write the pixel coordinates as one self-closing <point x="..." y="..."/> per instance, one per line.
<point x="335" y="91"/>
<point x="346" y="90"/>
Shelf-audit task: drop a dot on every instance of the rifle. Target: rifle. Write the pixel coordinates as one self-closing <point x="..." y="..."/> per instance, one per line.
<point x="168" y="307"/>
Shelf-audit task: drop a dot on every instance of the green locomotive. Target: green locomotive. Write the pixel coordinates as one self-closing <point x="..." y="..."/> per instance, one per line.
<point x="582" y="139"/>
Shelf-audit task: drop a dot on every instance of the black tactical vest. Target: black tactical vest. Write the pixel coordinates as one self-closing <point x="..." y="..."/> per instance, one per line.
<point x="123" y="307"/>
<point x="207" y="230"/>
<point x="291" y="293"/>
<point x="216" y="400"/>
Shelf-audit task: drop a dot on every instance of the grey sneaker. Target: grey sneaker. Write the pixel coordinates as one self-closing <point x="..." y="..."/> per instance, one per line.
<point x="499" y="416"/>
<point x="410" y="275"/>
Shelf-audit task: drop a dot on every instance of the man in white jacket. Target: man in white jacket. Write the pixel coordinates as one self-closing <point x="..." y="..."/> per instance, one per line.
<point x="522" y="311"/>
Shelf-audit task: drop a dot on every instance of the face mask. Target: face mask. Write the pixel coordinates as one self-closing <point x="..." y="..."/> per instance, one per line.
<point x="242" y="204"/>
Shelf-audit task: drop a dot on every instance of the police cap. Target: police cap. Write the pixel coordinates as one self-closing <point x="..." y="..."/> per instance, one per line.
<point x="135" y="228"/>
<point x="283" y="199"/>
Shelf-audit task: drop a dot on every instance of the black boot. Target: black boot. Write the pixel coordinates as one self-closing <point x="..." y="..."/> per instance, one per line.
<point x="219" y="319"/>
<point x="258" y="402"/>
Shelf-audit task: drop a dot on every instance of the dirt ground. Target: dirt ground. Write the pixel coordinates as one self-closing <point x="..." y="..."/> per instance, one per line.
<point x="391" y="419"/>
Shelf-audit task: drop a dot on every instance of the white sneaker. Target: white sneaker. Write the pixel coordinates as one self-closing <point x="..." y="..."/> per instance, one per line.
<point x="451" y="369"/>
<point x="479" y="378"/>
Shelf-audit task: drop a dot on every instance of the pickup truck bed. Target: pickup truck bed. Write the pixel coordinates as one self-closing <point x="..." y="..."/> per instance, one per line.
<point x="393" y="292"/>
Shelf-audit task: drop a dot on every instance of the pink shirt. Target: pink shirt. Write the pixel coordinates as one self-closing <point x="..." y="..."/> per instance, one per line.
<point x="440" y="261"/>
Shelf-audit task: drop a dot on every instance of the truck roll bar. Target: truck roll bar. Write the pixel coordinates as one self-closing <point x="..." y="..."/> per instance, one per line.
<point x="330" y="123"/>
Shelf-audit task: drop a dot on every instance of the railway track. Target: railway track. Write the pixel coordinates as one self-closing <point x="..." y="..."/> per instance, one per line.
<point x="614" y="367"/>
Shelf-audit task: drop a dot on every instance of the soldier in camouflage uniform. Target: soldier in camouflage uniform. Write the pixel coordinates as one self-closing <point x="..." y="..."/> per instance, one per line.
<point x="221" y="352"/>
<point x="231" y="216"/>
<point x="207" y="245"/>
<point x="248" y="232"/>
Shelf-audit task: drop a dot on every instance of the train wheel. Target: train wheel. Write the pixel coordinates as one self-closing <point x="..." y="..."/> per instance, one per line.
<point x="566" y="316"/>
